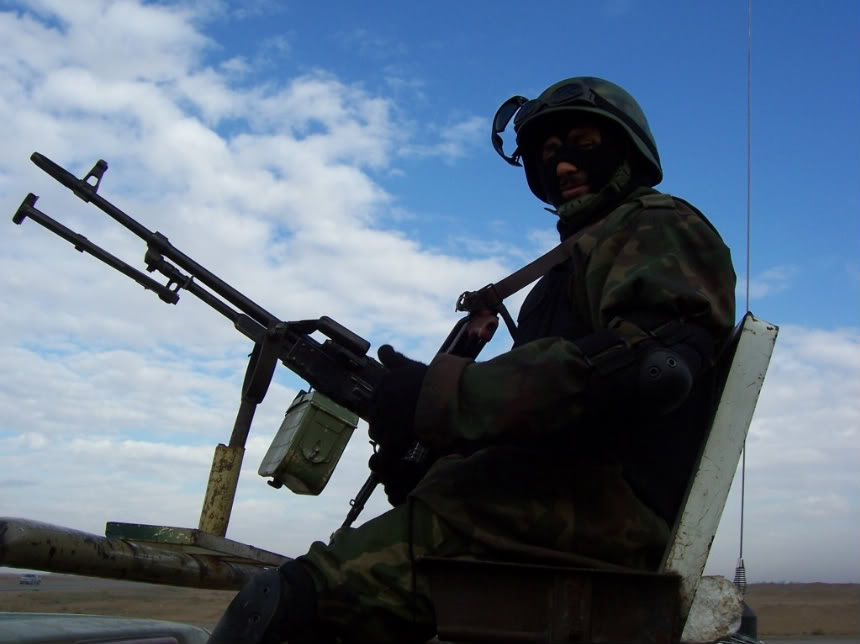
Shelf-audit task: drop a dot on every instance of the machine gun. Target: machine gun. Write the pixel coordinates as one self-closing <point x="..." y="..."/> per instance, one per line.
<point x="503" y="600"/>
<point x="338" y="368"/>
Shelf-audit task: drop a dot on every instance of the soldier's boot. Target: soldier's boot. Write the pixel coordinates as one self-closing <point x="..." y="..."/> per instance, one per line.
<point x="277" y="605"/>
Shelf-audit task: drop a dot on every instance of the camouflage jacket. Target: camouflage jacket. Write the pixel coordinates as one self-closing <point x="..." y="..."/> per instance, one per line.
<point x="652" y="257"/>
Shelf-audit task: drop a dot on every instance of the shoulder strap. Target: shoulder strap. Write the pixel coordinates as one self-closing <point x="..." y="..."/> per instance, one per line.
<point x="492" y="296"/>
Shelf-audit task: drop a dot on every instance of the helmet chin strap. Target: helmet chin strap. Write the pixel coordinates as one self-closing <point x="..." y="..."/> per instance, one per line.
<point x="576" y="213"/>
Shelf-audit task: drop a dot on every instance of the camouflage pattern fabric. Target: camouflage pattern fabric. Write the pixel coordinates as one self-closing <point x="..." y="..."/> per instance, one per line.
<point x="652" y="254"/>
<point x="370" y="590"/>
<point x="535" y="477"/>
<point x="366" y="589"/>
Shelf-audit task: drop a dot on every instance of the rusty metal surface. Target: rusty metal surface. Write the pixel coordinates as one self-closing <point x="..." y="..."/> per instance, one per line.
<point x="40" y="546"/>
<point x="221" y="489"/>
<point x="192" y="541"/>
<point x="715" y="613"/>
<point x="482" y="601"/>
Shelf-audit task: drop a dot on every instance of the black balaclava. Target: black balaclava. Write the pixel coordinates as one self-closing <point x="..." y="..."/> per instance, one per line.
<point x="606" y="165"/>
<point x="599" y="163"/>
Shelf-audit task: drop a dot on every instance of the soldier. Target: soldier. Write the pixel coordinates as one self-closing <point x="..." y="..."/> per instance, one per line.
<point x="574" y="447"/>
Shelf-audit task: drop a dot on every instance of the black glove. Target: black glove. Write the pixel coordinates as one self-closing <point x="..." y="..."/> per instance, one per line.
<point x="392" y="409"/>
<point x="392" y="423"/>
<point x="397" y="475"/>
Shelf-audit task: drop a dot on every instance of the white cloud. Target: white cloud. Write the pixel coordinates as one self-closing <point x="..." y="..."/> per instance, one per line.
<point x="768" y="282"/>
<point x="117" y="400"/>
<point x="279" y="201"/>
<point x="802" y="480"/>
<point x="452" y="140"/>
<point x="284" y="205"/>
<point x="252" y="8"/>
<point x="402" y="80"/>
<point x="370" y="45"/>
<point x="123" y="39"/>
<point x="617" y="8"/>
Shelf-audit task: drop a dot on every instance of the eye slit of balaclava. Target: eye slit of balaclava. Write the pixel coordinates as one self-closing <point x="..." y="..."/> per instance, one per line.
<point x="599" y="162"/>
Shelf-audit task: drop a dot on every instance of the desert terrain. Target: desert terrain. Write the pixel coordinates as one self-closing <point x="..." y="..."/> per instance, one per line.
<point x="829" y="611"/>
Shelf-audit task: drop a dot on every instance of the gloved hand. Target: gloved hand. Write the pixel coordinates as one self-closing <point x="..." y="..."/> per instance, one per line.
<point x="392" y="409"/>
<point x="392" y="423"/>
<point x="397" y="475"/>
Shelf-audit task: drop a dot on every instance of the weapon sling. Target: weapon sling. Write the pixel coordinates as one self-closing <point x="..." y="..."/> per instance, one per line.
<point x="489" y="298"/>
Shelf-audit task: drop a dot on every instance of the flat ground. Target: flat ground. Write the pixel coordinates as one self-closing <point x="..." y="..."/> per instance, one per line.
<point x="794" y="610"/>
<point x="806" y="609"/>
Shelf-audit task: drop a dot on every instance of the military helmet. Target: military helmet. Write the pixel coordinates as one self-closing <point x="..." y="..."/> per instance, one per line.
<point x="584" y="95"/>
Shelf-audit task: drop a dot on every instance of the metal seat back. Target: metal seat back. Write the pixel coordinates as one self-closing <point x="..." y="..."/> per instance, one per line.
<point x="746" y="360"/>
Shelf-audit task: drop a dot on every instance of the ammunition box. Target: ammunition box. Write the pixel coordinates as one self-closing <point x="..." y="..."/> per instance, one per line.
<point x="309" y="443"/>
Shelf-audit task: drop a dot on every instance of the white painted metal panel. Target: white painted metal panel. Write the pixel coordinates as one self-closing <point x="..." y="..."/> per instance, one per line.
<point x="712" y="479"/>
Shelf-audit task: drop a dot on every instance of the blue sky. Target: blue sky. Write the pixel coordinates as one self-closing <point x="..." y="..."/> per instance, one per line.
<point x="335" y="159"/>
<point x="685" y="62"/>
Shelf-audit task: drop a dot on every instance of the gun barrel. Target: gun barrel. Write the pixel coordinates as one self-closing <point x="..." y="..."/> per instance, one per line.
<point x="84" y="245"/>
<point x="154" y="240"/>
<point x="339" y="369"/>
<point x="67" y="178"/>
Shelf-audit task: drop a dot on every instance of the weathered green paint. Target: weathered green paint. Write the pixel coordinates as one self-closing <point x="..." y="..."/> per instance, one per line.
<point x="309" y="443"/>
<point x="152" y="533"/>
<point x="192" y="541"/>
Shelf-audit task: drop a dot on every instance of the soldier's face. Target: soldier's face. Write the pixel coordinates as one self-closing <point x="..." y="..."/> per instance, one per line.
<point x="563" y="156"/>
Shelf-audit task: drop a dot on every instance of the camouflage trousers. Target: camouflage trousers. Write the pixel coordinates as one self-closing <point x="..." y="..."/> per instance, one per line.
<point x="370" y="590"/>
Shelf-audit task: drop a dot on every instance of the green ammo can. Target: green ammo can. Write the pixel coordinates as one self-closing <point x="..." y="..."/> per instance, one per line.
<point x="309" y="443"/>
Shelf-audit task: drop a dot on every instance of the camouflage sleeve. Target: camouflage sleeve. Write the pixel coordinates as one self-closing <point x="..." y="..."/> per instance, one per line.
<point x="666" y="263"/>
<point x="669" y="263"/>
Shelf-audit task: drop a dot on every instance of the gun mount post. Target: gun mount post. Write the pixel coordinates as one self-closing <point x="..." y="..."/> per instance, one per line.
<point x="221" y="489"/>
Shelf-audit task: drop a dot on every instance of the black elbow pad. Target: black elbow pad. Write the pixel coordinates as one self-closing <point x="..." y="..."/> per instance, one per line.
<point x="665" y="380"/>
<point x="651" y="378"/>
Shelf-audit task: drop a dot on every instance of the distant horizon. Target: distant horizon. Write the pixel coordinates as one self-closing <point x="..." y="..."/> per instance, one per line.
<point x="13" y="572"/>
